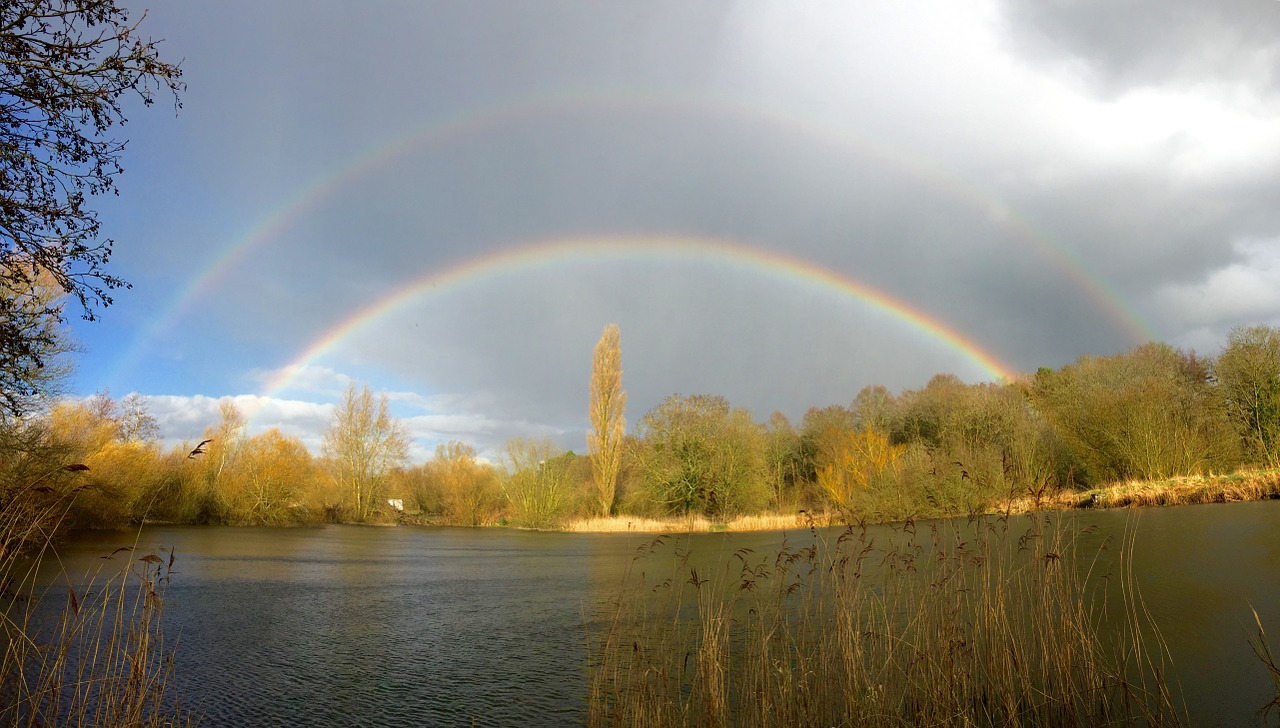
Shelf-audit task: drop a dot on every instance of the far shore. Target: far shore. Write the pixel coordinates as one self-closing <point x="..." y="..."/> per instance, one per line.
<point x="1184" y="490"/>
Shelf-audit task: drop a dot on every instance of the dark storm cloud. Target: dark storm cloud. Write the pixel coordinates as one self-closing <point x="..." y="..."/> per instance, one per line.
<point x="1123" y="45"/>
<point x="944" y="155"/>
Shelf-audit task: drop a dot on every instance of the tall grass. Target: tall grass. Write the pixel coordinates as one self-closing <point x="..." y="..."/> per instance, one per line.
<point x="84" y="652"/>
<point x="1262" y="648"/>
<point x="692" y="523"/>
<point x="989" y="623"/>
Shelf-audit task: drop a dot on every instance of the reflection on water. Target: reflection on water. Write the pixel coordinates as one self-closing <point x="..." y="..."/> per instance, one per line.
<point x="402" y="626"/>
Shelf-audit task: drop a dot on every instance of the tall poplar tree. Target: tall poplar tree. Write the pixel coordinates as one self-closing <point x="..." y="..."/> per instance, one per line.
<point x="608" y="425"/>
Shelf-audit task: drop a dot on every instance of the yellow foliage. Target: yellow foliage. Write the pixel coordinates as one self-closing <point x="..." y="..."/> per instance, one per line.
<point x="848" y="461"/>
<point x="273" y="474"/>
<point x="81" y="427"/>
<point x="468" y="488"/>
<point x="122" y="475"/>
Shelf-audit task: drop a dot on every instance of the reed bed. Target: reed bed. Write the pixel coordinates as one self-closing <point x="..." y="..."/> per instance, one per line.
<point x="1248" y="485"/>
<point x="987" y="623"/>
<point x="1262" y="649"/>
<point x="82" y="652"/>
<point x="691" y="524"/>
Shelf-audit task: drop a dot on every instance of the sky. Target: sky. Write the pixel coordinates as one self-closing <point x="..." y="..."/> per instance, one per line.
<point x="780" y="203"/>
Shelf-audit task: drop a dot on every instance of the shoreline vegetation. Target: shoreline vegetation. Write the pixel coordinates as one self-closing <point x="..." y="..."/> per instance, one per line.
<point x="1251" y="485"/>
<point x="1151" y="426"/>
<point x="1154" y="425"/>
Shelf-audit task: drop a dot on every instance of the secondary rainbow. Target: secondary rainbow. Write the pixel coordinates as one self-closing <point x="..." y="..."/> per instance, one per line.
<point x="549" y="253"/>
<point x="549" y="107"/>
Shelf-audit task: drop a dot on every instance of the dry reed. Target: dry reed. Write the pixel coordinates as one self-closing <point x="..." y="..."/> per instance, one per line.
<point x="985" y="624"/>
<point x="1246" y="485"/>
<point x="1262" y="648"/>
<point x="691" y="524"/>
<point x="90" y="654"/>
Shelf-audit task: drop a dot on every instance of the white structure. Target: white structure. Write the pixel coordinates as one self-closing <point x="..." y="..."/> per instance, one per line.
<point x="396" y="503"/>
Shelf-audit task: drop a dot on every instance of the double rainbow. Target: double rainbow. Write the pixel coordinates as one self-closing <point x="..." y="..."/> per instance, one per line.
<point x="442" y="131"/>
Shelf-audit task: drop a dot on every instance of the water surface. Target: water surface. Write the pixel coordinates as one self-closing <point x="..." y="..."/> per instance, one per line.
<point x="348" y="625"/>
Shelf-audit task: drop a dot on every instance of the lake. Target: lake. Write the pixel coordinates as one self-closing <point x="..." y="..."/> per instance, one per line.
<point x="349" y="625"/>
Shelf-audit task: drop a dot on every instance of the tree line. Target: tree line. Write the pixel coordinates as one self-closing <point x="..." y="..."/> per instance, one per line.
<point x="947" y="448"/>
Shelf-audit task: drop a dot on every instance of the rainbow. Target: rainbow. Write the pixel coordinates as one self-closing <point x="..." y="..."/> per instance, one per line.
<point x="554" y="252"/>
<point x="271" y="225"/>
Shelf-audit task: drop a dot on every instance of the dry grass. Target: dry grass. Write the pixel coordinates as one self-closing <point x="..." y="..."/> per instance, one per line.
<point x="984" y="624"/>
<point x="90" y="654"/>
<point x="1248" y="485"/>
<point x="697" y="524"/>
<point x="1262" y="648"/>
<point x="1245" y="485"/>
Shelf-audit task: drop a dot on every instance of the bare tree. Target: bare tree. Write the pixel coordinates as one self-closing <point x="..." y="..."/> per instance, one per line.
<point x="137" y="424"/>
<point x="608" y="423"/>
<point x="467" y="486"/>
<point x="66" y="69"/>
<point x="1248" y="374"/>
<point x="33" y="343"/>
<point x="363" y="444"/>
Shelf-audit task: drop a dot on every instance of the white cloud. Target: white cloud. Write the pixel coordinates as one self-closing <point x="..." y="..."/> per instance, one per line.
<point x="185" y="419"/>
<point x="308" y="378"/>
<point x="1247" y="291"/>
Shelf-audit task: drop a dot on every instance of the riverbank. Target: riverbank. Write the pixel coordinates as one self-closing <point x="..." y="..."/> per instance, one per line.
<point x="692" y="524"/>
<point x="1249" y="485"/>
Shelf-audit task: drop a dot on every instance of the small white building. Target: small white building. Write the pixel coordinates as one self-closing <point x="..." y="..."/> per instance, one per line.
<point x="396" y="503"/>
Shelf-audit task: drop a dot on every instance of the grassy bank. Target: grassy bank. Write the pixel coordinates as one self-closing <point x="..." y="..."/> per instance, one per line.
<point x="688" y="524"/>
<point x="1248" y="485"/>
<point x="1245" y="485"/>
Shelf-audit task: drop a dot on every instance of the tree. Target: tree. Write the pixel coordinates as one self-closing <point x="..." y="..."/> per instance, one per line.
<point x="467" y="486"/>
<point x="33" y="342"/>
<point x="783" y="456"/>
<point x="137" y="424"/>
<point x="816" y="422"/>
<point x="66" y="69"/>
<point x="363" y="443"/>
<point x="1149" y="413"/>
<point x="608" y="401"/>
<point x="537" y="484"/>
<point x="212" y="478"/>
<point x="849" y="461"/>
<point x="275" y="471"/>
<point x="1248" y="374"/>
<point x="700" y="455"/>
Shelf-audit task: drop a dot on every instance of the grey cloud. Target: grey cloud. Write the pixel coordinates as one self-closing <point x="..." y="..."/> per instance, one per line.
<point x="1125" y="45"/>
<point x="897" y="146"/>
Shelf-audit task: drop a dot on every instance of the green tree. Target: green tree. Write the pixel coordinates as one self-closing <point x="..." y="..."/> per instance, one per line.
<point x="537" y="485"/>
<point x="817" y="421"/>
<point x="67" y="68"/>
<point x="608" y="423"/>
<point x="700" y="455"/>
<point x="1149" y="413"/>
<point x="1248" y="374"/>
<point x="782" y="457"/>
<point x="363" y="443"/>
